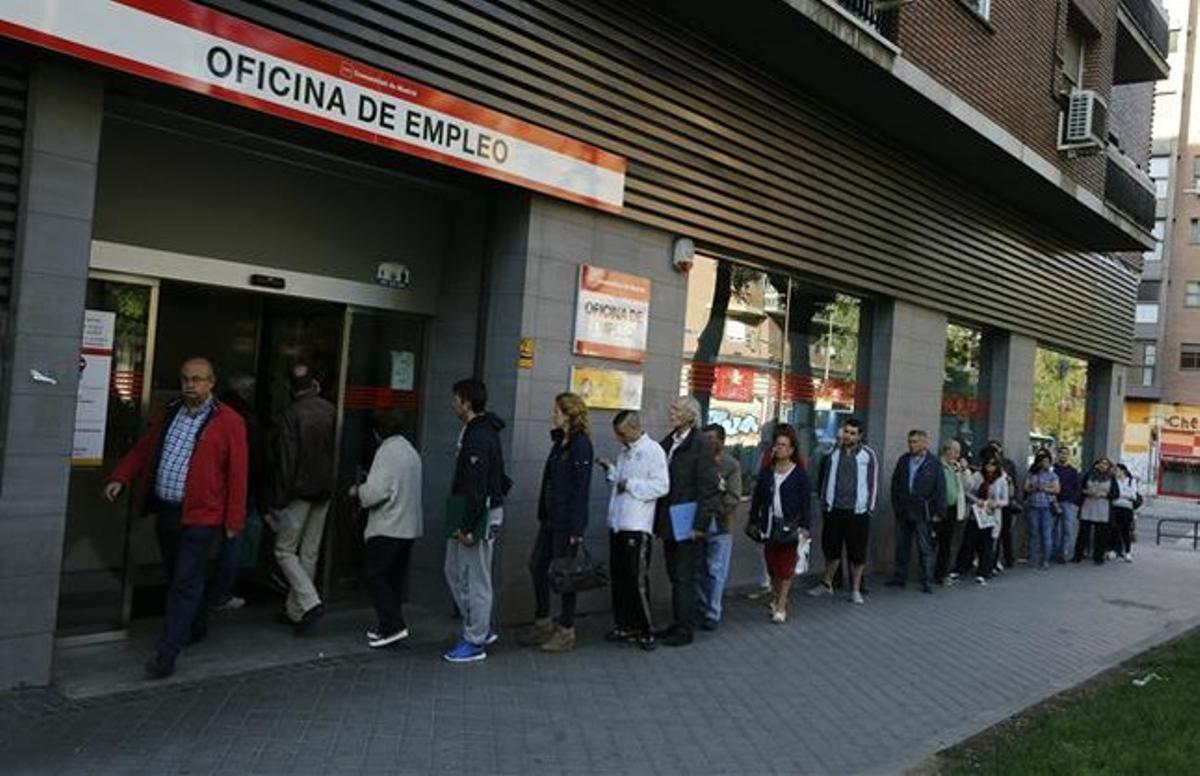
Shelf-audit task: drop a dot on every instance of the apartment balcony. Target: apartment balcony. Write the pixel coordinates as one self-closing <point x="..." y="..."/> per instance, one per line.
<point x="1143" y="38"/>
<point x="1129" y="190"/>
<point x="884" y="22"/>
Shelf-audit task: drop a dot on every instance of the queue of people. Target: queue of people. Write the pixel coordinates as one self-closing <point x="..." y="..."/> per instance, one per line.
<point x="192" y="466"/>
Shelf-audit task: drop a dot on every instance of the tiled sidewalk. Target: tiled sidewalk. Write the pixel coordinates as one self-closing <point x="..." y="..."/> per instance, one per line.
<point x="838" y="689"/>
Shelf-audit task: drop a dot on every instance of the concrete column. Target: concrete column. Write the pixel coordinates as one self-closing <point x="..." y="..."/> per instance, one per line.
<point x="1104" y="422"/>
<point x="532" y="291"/>
<point x="1007" y="379"/>
<point x="904" y="392"/>
<point x="50" y="280"/>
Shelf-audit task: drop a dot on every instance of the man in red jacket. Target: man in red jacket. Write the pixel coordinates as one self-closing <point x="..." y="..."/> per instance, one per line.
<point x="190" y="469"/>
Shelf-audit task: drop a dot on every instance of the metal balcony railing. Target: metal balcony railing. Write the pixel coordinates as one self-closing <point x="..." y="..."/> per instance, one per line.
<point x="884" y="22"/>
<point x="1128" y="194"/>
<point x="1149" y="16"/>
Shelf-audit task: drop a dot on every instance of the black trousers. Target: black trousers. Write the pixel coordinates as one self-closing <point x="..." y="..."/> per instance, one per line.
<point x="1097" y="534"/>
<point x="977" y="543"/>
<point x="1122" y="534"/>
<point x="943" y="533"/>
<point x="550" y="544"/>
<point x="681" y="570"/>
<point x="1006" y="537"/>
<point x="629" y="559"/>
<point x="386" y="559"/>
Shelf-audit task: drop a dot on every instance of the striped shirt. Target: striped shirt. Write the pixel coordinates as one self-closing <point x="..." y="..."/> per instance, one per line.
<point x="178" y="443"/>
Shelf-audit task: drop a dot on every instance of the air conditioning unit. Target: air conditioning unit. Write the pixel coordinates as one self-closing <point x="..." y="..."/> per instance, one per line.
<point x="1083" y="123"/>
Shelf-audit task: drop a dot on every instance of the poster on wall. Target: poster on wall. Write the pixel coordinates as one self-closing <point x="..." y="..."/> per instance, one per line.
<point x="403" y="372"/>
<point x="91" y="402"/>
<point x="612" y="314"/>
<point x="607" y="389"/>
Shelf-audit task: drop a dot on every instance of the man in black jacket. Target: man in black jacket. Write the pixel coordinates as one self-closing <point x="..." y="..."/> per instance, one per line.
<point x="918" y="495"/>
<point x="474" y="515"/>
<point x="695" y="494"/>
<point x="301" y="485"/>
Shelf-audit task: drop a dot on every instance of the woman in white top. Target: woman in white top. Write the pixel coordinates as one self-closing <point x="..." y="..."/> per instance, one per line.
<point x="1128" y="499"/>
<point x="988" y="495"/>
<point x="391" y="495"/>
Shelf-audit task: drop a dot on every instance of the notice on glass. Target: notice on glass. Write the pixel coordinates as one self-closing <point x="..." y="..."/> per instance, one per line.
<point x="607" y="389"/>
<point x="404" y="368"/>
<point x="91" y="402"/>
<point x="612" y="314"/>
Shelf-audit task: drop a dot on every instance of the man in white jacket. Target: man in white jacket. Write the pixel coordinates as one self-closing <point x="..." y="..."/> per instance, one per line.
<point x="639" y="477"/>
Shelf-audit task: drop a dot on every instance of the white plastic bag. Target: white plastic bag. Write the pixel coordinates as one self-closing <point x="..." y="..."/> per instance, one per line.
<point x="802" y="553"/>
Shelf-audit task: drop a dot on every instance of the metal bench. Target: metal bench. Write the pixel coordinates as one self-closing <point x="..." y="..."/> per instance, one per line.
<point x="1193" y="522"/>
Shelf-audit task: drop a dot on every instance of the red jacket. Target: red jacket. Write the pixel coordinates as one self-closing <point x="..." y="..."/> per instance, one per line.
<point x="215" y="493"/>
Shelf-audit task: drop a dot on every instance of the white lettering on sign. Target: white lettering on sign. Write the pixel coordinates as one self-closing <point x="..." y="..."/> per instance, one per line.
<point x="197" y="48"/>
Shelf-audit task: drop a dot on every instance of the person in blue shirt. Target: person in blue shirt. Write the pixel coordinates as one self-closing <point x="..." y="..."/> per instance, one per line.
<point x="1066" y="520"/>
<point x="918" y="496"/>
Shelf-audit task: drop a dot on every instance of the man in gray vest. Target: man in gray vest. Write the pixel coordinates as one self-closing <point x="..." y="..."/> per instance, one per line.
<point x="847" y="484"/>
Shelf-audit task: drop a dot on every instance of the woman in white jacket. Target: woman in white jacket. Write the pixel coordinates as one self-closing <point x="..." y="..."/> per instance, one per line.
<point x="391" y="495"/>
<point x="988" y="494"/>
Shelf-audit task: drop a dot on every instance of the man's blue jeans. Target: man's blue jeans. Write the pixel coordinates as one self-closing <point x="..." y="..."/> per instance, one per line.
<point x="229" y="562"/>
<point x="185" y="596"/>
<point x="1041" y="532"/>
<point x="1066" y="528"/>
<point x="712" y="573"/>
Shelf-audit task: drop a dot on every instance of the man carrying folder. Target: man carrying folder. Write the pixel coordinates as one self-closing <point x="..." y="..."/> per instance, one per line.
<point x="683" y="515"/>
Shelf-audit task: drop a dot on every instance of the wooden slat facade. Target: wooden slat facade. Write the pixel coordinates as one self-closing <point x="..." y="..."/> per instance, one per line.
<point x="745" y="164"/>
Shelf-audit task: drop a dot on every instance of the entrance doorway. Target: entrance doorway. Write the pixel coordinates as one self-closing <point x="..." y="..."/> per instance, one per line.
<point x="365" y="359"/>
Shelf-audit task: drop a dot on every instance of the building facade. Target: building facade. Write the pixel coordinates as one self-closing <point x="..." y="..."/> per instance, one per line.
<point x="1163" y="400"/>
<point x="405" y="194"/>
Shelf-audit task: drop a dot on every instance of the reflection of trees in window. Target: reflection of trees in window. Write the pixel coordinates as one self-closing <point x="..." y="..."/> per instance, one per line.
<point x="962" y="406"/>
<point x="1059" y="397"/>
<point x="750" y="317"/>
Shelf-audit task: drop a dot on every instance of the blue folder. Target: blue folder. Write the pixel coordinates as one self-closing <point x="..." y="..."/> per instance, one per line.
<point x="683" y="517"/>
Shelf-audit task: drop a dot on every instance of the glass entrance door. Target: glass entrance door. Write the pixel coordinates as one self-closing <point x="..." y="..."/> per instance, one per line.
<point x="382" y="363"/>
<point x="114" y="398"/>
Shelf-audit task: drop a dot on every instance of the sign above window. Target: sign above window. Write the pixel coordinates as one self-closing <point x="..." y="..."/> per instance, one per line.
<point x="196" y="48"/>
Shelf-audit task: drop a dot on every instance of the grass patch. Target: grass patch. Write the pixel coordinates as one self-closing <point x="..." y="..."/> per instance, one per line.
<point x="1105" y="726"/>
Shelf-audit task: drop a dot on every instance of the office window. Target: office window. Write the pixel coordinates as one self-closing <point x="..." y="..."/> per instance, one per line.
<point x="1194" y="231"/>
<point x="1189" y="356"/>
<point x="1148" y="291"/>
<point x="1191" y="294"/>
<point x="1196" y="172"/>
<point x="1172" y="41"/>
<point x="1146" y="353"/>
<point x="1160" y="228"/>
<point x="1147" y="312"/>
<point x="1073" y="58"/>
<point x="1158" y="173"/>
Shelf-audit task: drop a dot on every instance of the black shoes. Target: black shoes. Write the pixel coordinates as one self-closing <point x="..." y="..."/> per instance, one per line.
<point x="677" y="637"/>
<point x="647" y="643"/>
<point x="619" y="634"/>
<point x="309" y="620"/>
<point x="926" y="588"/>
<point x="709" y="624"/>
<point x="158" y="668"/>
<point x="894" y="583"/>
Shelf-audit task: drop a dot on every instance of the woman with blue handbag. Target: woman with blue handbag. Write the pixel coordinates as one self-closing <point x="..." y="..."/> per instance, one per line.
<point x="780" y="515"/>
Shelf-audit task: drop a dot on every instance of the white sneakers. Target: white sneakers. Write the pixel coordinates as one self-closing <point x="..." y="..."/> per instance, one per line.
<point x="778" y="616"/>
<point x="857" y="598"/>
<point x="377" y="640"/>
<point x="820" y="589"/>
